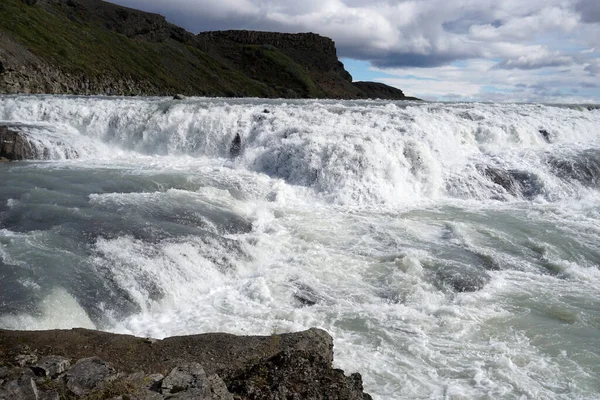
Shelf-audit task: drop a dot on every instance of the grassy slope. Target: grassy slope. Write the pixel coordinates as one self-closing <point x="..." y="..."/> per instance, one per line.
<point x="80" y="48"/>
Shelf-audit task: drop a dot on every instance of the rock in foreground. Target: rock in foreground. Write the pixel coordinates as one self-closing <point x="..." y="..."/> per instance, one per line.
<point x="14" y="146"/>
<point x="82" y="363"/>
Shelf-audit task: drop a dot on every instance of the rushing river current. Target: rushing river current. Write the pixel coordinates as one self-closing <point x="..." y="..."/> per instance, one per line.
<point x="451" y="250"/>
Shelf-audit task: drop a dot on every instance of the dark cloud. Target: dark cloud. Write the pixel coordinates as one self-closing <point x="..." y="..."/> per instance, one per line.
<point x="589" y="10"/>
<point x="402" y="60"/>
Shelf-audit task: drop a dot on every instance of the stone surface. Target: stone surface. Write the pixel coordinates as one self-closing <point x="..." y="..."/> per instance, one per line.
<point x="185" y="377"/>
<point x="212" y="366"/>
<point x="14" y="145"/>
<point x="25" y="359"/>
<point x="22" y="388"/>
<point x="51" y="366"/>
<point x="236" y="146"/>
<point x="218" y="388"/>
<point x="89" y="374"/>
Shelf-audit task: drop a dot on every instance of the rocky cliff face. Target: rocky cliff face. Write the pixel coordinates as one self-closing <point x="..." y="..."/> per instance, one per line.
<point x="89" y="364"/>
<point x="95" y="47"/>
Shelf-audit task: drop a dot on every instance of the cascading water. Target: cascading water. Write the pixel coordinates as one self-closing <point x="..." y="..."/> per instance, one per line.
<point x="450" y="249"/>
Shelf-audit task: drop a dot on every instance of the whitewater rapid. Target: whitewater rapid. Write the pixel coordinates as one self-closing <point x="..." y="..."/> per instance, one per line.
<point x="450" y="249"/>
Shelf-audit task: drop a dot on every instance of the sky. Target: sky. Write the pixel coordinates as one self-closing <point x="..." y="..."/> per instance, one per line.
<point x="449" y="50"/>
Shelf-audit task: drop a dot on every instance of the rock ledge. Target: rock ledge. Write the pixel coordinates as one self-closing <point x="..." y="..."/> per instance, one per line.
<point x="86" y="364"/>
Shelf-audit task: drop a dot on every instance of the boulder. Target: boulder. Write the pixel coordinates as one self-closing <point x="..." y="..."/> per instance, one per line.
<point x="236" y="146"/>
<point x="179" y="97"/>
<point x="89" y="374"/>
<point x="14" y="145"/>
<point x="186" y="377"/>
<point x="51" y="366"/>
<point x="22" y="388"/>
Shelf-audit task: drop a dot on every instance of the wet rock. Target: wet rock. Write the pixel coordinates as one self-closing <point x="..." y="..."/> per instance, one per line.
<point x="305" y="295"/>
<point x="583" y="167"/>
<point x="236" y="146"/>
<point x="14" y="146"/>
<point x="23" y="388"/>
<point x="265" y="111"/>
<point x="186" y="377"/>
<point x="462" y="279"/>
<point x="516" y="183"/>
<point x="51" y="366"/>
<point x="179" y="97"/>
<point x="89" y="374"/>
<point x="546" y="135"/>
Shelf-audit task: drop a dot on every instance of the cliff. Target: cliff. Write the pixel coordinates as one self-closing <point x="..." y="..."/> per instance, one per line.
<point x="89" y="364"/>
<point x="95" y="47"/>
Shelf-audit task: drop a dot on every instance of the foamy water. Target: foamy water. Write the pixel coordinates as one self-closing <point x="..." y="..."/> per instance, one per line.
<point x="451" y="250"/>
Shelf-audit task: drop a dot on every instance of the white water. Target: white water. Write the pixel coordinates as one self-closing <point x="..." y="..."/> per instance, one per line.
<point x="379" y="213"/>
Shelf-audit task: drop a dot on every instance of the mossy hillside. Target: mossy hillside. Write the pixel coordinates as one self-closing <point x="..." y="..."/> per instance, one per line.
<point x="96" y="47"/>
<point x="278" y="70"/>
<point x="91" y="50"/>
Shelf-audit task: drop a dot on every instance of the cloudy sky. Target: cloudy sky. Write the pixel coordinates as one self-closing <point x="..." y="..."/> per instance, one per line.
<point x="483" y="50"/>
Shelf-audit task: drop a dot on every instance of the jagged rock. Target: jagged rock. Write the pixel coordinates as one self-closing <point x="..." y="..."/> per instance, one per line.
<point x="89" y="374"/>
<point x="218" y="388"/>
<point x="14" y="146"/>
<point x="22" y="388"/>
<point x="297" y="375"/>
<point x="187" y="377"/>
<point x="51" y="366"/>
<point x="545" y="134"/>
<point x="286" y="366"/>
<point x="236" y="146"/>
<point x="24" y="359"/>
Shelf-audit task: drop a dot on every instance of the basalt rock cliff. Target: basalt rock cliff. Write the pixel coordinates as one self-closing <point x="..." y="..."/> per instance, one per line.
<point x="95" y="47"/>
<point x="85" y="364"/>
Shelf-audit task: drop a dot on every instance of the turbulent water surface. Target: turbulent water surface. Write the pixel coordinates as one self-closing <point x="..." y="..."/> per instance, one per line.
<point x="452" y="250"/>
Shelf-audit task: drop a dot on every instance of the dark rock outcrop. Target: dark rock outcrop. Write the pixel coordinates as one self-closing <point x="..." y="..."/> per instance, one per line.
<point x="376" y="90"/>
<point x="14" y="145"/>
<point x="210" y="366"/>
<point x="515" y="183"/>
<point x="236" y="146"/>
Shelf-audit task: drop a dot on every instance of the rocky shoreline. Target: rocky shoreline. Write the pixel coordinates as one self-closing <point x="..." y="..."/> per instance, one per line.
<point x="87" y="364"/>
